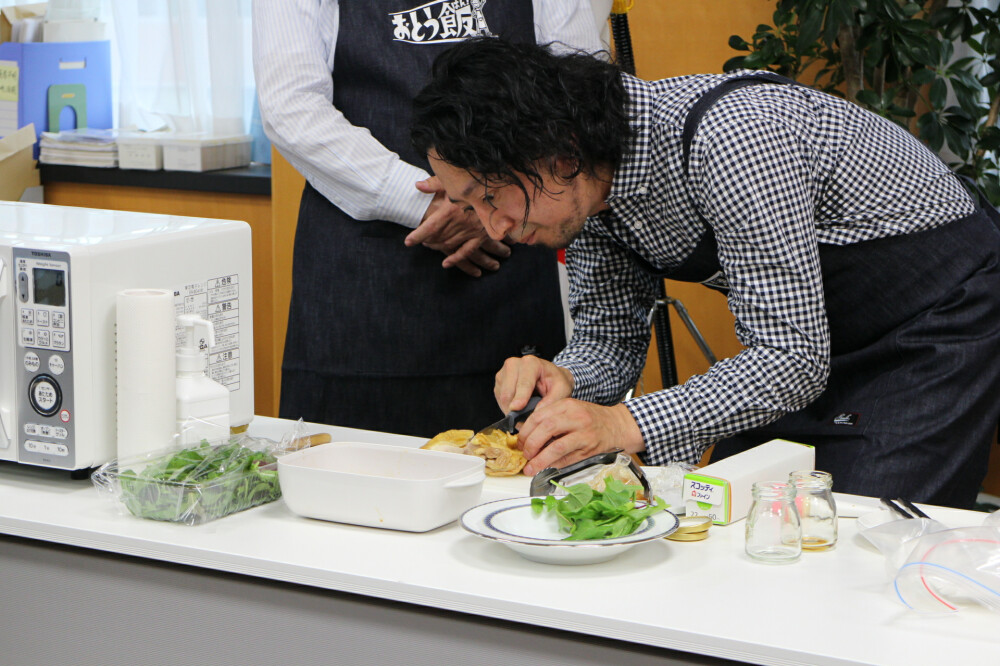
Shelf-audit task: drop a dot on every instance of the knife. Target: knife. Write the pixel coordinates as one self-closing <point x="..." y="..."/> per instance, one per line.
<point x="509" y="422"/>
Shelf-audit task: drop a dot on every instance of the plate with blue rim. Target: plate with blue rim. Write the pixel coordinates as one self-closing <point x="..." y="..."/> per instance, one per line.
<point x="536" y="536"/>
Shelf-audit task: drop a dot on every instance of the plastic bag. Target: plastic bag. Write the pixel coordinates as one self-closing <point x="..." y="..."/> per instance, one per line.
<point x="592" y="471"/>
<point x="296" y="439"/>
<point x="193" y="484"/>
<point x="667" y="483"/>
<point x="894" y="536"/>
<point x="596" y="476"/>
<point x="951" y="568"/>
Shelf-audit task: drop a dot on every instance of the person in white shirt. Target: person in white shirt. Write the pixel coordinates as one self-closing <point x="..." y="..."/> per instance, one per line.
<point x="401" y="305"/>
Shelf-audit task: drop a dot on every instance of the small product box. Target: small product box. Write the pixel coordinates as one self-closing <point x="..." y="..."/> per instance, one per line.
<point x="206" y="152"/>
<point x="721" y="490"/>
<point x="140" y="151"/>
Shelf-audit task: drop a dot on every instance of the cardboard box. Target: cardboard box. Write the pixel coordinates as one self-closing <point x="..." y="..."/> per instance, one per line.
<point x="48" y="79"/>
<point x="8" y="15"/>
<point x="17" y="166"/>
<point x="722" y="490"/>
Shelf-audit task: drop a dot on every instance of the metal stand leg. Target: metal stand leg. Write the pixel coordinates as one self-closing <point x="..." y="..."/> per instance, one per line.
<point x="664" y="339"/>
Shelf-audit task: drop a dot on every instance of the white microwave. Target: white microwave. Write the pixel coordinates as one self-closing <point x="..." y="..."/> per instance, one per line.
<point x="61" y="269"/>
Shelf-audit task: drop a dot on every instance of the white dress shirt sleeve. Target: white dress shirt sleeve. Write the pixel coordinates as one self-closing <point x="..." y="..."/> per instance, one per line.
<point x="293" y="52"/>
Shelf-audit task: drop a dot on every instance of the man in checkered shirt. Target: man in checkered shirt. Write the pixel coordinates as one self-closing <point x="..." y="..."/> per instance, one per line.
<point x="864" y="280"/>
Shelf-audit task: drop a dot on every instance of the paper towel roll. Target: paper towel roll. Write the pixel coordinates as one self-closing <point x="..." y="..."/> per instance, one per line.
<point x="147" y="375"/>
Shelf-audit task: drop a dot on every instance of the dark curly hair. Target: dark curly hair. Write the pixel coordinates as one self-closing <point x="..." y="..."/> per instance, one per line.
<point x="496" y="108"/>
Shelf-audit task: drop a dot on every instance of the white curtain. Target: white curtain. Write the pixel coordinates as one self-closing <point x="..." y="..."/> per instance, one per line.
<point x="184" y="64"/>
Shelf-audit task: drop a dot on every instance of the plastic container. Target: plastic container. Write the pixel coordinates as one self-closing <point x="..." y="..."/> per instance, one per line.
<point x="380" y="485"/>
<point x="193" y="485"/>
<point x="205" y="152"/>
<point x="202" y="403"/>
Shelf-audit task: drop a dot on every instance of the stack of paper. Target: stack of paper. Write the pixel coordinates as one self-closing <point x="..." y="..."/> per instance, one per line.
<point x="80" y="147"/>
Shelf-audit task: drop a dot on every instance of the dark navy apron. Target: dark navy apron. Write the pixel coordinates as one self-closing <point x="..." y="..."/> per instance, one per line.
<point x="913" y="395"/>
<point x="365" y="307"/>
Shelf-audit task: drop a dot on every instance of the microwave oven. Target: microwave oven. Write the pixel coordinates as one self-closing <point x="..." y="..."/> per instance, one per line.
<point x="61" y="269"/>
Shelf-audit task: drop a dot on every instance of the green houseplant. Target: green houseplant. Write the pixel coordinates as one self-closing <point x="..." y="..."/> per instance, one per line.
<point x="898" y="58"/>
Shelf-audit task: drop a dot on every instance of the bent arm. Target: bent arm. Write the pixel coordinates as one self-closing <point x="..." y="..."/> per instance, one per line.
<point x="293" y="52"/>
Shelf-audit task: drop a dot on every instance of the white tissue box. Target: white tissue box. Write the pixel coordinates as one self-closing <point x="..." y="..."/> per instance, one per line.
<point x="205" y="152"/>
<point x="722" y="490"/>
<point x="140" y="152"/>
<point x="74" y="30"/>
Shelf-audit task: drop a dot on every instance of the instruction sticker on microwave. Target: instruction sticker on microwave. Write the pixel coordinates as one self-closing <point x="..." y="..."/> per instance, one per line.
<point x="217" y="300"/>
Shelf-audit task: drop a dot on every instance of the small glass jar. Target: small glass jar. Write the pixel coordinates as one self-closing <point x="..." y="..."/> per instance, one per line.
<point x="773" y="532"/>
<point x="817" y="508"/>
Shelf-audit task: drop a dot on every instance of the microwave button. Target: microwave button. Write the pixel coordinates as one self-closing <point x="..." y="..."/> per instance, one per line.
<point x="45" y="447"/>
<point x="30" y="428"/>
<point x="56" y="364"/>
<point x="31" y="362"/>
<point x="45" y="395"/>
<point x="43" y="318"/>
<point x="42" y="337"/>
<point x="27" y="336"/>
<point x="27" y="317"/>
<point x="45" y="431"/>
<point x="22" y="286"/>
<point x="59" y="339"/>
<point x="58" y="319"/>
<point x="60" y="433"/>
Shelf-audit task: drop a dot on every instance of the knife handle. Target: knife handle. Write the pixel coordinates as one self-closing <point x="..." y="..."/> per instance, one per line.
<point x="512" y="417"/>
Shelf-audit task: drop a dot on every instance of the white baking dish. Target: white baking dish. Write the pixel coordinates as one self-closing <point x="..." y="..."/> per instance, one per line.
<point x="380" y="485"/>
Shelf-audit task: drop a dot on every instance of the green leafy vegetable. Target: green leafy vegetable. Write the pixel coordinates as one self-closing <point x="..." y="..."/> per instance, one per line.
<point x="201" y="483"/>
<point x="584" y="513"/>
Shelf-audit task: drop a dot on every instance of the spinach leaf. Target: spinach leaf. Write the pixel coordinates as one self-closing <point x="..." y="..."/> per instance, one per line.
<point x="201" y="483"/>
<point x="584" y="513"/>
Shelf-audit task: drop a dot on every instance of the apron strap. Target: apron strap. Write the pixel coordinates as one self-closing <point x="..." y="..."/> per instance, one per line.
<point x="709" y="98"/>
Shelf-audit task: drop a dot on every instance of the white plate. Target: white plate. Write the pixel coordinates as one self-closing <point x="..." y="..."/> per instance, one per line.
<point x="513" y="523"/>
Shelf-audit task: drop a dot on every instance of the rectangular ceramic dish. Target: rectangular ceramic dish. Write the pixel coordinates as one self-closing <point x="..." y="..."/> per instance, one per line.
<point x="380" y="485"/>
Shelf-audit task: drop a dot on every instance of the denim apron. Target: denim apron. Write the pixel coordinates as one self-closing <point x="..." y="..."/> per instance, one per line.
<point x="379" y="335"/>
<point x="913" y="395"/>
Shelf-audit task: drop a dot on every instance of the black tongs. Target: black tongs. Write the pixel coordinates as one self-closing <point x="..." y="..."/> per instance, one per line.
<point x="541" y="483"/>
<point x="911" y="510"/>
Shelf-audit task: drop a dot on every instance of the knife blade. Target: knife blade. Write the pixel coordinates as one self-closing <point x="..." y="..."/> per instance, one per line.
<point x="509" y="422"/>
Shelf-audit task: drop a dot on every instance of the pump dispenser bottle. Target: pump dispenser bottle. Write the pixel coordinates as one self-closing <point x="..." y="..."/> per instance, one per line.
<point x="202" y="403"/>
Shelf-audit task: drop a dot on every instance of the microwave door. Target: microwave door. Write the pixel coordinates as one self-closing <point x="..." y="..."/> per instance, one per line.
<point x="8" y="350"/>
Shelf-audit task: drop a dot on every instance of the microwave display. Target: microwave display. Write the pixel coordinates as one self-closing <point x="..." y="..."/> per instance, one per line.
<point x="50" y="287"/>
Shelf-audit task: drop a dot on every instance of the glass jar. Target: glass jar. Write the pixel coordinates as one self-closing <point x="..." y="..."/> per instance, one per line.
<point x="773" y="532"/>
<point x="817" y="508"/>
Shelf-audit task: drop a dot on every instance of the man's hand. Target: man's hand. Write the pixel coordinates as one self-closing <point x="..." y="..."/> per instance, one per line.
<point x="569" y="430"/>
<point x="561" y="430"/>
<point x="524" y="376"/>
<point x="457" y="233"/>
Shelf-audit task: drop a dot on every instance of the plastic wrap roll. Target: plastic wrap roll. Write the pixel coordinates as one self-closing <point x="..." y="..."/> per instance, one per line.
<point x="146" y="371"/>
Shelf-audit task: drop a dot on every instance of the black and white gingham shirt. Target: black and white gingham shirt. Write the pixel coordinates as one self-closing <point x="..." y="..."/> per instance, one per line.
<point x="775" y="170"/>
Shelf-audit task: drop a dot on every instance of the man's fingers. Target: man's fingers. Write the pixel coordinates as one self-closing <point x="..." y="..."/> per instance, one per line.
<point x="428" y="231"/>
<point x="495" y="247"/>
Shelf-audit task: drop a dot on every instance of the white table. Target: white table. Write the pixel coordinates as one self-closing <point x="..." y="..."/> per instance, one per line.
<point x="76" y="578"/>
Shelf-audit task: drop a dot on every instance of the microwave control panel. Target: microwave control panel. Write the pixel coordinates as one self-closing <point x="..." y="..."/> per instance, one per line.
<point x="46" y="433"/>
